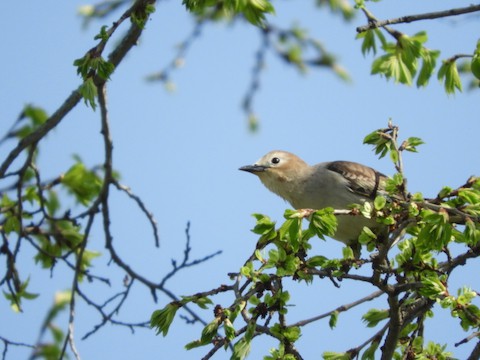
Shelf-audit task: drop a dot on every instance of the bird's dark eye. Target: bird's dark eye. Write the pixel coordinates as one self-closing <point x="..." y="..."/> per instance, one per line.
<point x="275" y="160"/>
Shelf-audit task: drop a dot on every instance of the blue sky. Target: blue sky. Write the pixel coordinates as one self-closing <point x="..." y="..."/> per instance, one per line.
<point x="181" y="152"/>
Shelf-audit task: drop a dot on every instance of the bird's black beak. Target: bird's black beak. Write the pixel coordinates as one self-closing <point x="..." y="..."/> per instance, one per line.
<point x="253" y="168"/>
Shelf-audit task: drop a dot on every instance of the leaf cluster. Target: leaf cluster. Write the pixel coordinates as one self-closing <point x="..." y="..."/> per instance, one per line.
<point x="254" y="11"/>
<point x="402" y="57"/>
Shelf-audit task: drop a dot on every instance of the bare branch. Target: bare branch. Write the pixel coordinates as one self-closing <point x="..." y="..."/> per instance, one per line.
<point x="376" y="337"/>
<point x="142" y="207"/>
<point x="185" y="262"/>
<point x="339" y="309"/>
<point x="426" y="16"/>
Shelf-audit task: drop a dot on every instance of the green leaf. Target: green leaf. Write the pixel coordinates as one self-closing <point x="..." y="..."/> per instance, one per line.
<point x="66" y="233"/>
<point x="83" y="65"/>
<point x="379" y="202"/>
<point x="21" y="293"/>
<point x="87" y="258"/>
<point x="259" y="256"/>
<point x="84" y="184"/>
<point x="393" y="66"/>
<point x="448" y="73"/>
<point x="411" y="144"/>
<point x="347" y="253"/>
<point x="329" y="355"/>
<point x="12" y="224"/>
<point x="37" y="115"/>
<point x="374" y="316"/>
<point x="394" y="183"/>
<point x="436" y="232"/>
<point x="341" y="6"/>
<point x="241" y="349"/>
<point x="382" y="143"/>
<point x="291" y="229"/>
<point x="48" y="351"/>
<point x="264" y="226"/>
<point x="229" y="329"/>
<point x="250" y="331"/>
<point x="254" y="10"/>
<point x="471" y="232"/>
<point x="57" y="333"/>
<point x="141" y="14"/>
<point x="210" y="331"/>
<point x="369" y="353"/>
<point x="446" y="191"/>
<point x="366" y="209"/>
<point x="52" y="203"/>
<point x="470" y="196"/>
<point x="317" y="260"/>
<point x="323" y="222"/>
<point x="292" y="333"/>
<point x="475" y="63"/>
<point x="429" y="62"/>
<point x="102" y="35"/>
<point x="31" y="195"/>
<point x="333" y="319"/>
<point x="193" y="344"/>
<point x="247" y="269"/>
<point x="368" y="44"/>
<point x="88" y="90"/>
<point x="162" y="319"/>
<point x="366" y="236"/>
<point x="433" y="287"/>
<point x="253" y="123"/>
<point x="394" y="155"/>
<point x="105" y="69"/>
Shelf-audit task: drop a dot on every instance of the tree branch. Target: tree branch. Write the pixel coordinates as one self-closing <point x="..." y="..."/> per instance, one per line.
<point x="142" y="207"/>
<point x="394" y="328"/>
<point x="475" y="352"/>
<point x="339" y="309"/>
<point x="425" y="16"/>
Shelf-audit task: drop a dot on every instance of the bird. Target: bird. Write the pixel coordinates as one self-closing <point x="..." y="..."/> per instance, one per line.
<point x="336" y="184"/>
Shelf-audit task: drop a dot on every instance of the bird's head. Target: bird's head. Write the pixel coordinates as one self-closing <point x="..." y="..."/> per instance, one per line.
<point x="277" y="169"/>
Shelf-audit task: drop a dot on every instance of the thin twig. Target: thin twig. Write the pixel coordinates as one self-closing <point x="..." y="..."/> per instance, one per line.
<point x="376" y="337"/>
<point x="142" y="207"/>
<point x="340" y="309"/>
<point x="182" y="49"/>
<point x="77" y="273"/>
<point x="185" y="262"/>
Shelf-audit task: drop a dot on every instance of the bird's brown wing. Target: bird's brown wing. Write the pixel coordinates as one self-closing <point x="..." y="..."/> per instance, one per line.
<point x="361" y="179"/>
